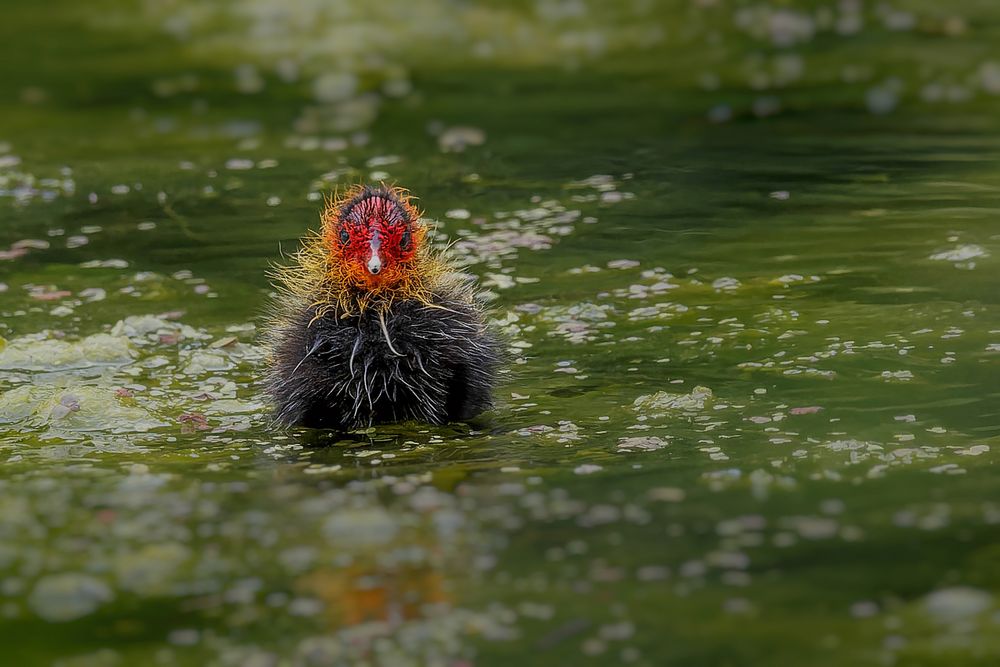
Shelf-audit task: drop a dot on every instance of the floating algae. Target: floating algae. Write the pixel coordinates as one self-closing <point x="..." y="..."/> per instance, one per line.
<point x="66" y="597"/>
<point x="76" y="408"/>
<point x="663" y="404"/>
<point x="40" y="353"/>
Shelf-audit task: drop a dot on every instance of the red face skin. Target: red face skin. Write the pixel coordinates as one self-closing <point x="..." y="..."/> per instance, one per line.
<point x="376" y="240"/>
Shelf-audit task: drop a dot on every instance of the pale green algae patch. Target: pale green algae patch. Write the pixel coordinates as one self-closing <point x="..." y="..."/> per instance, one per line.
<point x="663" y="403"/>
<point x="46" y="354"/>
<point x="146" y="374"/>
<point x="75" y="408"/>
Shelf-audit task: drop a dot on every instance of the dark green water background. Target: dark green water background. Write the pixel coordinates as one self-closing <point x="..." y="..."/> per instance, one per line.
<point x="776" y="221"/>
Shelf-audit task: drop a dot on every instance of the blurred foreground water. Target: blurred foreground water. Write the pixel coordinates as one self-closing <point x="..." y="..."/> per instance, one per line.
<point x="745" y="255"/>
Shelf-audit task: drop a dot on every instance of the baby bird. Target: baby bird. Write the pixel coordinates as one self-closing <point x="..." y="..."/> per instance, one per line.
<point x="372" y="326"/>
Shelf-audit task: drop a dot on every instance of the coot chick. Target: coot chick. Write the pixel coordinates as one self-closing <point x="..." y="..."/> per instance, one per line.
<point x="372" y="326"/>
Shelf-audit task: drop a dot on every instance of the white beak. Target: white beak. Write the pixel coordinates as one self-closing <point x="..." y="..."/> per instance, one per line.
<point x="375" y="262"/>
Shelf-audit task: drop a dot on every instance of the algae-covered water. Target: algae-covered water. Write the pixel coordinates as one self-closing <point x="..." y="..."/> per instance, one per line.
<point x="744" y="254"/>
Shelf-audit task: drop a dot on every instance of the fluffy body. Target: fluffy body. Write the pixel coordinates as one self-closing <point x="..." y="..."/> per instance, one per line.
<point x="413" y="362"/>
<point x="349" y="349"/>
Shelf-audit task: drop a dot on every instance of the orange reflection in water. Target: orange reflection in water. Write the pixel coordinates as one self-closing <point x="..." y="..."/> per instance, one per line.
<point x="365" y="593"/>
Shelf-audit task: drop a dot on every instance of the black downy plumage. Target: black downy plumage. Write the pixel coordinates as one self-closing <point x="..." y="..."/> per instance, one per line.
<point x="427" y="364"/>
<point x="423" y="354"/>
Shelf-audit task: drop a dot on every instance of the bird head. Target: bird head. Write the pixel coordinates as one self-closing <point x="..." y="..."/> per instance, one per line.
<point x="373" y="237"/>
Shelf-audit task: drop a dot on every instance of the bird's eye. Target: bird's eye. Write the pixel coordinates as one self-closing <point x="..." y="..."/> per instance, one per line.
<point x="405" y="240"/>
<point x="345" y="238"/>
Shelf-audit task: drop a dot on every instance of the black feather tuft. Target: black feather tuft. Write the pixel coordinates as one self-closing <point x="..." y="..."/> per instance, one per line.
<point x="432" y="363"/>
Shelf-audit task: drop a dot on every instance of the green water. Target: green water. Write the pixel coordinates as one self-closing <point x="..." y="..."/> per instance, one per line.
<point x="745" y="256"/>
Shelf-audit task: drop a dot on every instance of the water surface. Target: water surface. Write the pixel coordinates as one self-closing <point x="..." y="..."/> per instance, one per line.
<point x="745" y="258"/>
